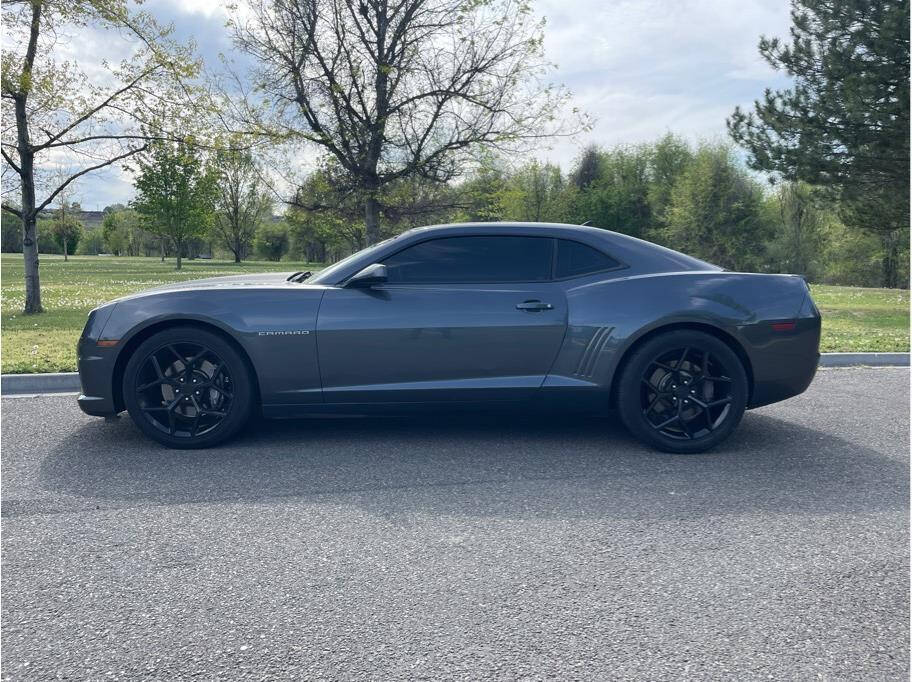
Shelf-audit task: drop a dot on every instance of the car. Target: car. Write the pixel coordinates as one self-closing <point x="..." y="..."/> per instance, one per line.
<point x="533" y="316"/>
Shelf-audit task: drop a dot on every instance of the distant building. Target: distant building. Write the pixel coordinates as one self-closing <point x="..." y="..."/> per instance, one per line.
<point x="89" y="219"/>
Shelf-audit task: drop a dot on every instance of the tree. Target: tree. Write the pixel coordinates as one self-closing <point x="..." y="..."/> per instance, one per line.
<point x="91" y="243"/>
<point x="844" y="124"/>
<point x="241" y="201"/>
<point x="392" y="89"/>
<point x="616" y="194"/>
<point x="272" y="241"/>
<point x="175" y="192"/>
<point x="11" y="228"/>
<point x="587" y="167"/>
<point x="122" y="233"/>
<point x="715" y="212"/>
<point x="534" y="193"/>
<point x="55" y="110"/>
<point x="66" y="228"/>
<point x="668" y="159"/>
<point x="797" y="243"/>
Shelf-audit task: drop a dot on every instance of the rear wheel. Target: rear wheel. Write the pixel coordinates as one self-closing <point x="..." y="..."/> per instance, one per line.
<point x="187" y="388"/>
<point x="683" y="391"/>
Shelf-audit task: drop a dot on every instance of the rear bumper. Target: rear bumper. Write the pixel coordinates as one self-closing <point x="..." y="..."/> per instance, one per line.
<point x="784" y="363"/>
<point x="787" y="379"/>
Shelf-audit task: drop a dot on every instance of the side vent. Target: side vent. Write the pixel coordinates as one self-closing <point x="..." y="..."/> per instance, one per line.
<point x="589" y="359"/>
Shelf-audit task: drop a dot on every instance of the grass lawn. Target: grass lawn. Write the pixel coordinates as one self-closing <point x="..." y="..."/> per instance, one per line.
<point x="69" y="290"/>
<point x="854" y="319"/>
<point x="857" y="319"/>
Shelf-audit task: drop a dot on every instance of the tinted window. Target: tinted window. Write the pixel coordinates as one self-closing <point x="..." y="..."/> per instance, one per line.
<point x="575" y="259"/>
<point x="473" y="259"/>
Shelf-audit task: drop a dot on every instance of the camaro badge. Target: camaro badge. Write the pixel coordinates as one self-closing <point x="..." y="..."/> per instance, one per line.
<point x="290" y="332"/>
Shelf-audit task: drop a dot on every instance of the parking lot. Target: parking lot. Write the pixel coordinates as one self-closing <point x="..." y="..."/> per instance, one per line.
<point x="462" y="547"/>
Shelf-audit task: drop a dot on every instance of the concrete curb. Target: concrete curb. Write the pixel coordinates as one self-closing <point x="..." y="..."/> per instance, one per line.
<point x="68" y="382"/>
<point x="56" y="382"/>
<point x="864" y="360"/>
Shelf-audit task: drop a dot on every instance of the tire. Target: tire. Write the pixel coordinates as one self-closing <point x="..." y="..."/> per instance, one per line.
<point x="682" y="392"/>
<point x="188" y="388"/>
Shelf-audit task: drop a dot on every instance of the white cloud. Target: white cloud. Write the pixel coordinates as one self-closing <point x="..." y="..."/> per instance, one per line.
<point x="639" y="67"/>
<point x="645" y="67"/>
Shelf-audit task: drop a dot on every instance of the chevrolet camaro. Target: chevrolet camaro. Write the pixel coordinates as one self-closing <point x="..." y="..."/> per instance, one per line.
<point x="535" y="316"/>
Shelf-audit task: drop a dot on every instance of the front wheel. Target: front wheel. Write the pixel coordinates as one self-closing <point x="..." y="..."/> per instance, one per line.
<point x="683" y="392"/>
<point x="188" y="388"/>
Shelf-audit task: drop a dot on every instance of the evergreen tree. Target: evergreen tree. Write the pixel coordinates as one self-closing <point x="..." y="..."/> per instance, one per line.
<point x="844" y="124"/>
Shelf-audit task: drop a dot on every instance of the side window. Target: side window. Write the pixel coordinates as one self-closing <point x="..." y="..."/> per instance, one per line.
<point x="453" y="260"/>
<point x="575" y="259"/>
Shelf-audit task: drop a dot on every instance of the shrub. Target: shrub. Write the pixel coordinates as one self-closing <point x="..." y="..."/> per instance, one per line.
<point x="271" y="241"/>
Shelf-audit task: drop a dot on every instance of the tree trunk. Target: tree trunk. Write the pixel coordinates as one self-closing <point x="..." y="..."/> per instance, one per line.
<point x="372" y="218"/>
<point x="27" y="176"/>
<point x="163" y="248"/>
<point x="890" y="260"/>
<point x="29" y="215"/>
<point x="180" y="245"/>
<point x="65" y="257"/>
<point x="30" y="256"/>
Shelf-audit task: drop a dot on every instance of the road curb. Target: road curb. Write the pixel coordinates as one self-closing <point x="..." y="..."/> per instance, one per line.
<point x="68" y="382"/>
<point x="56" y="382"/>
<point x="864" y="360"/>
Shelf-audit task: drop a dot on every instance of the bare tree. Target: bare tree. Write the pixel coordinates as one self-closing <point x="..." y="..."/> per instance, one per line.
<point x="399" y="88"/>
<point x="241" y="202"/>
<point x="59" y="112"/>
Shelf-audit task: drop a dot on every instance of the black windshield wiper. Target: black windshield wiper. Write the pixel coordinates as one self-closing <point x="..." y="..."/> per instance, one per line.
<point x="299" y="276"/>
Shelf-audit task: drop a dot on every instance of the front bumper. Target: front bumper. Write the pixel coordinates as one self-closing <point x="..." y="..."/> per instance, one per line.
<point x="96" y="367"/>
<point x="96" y="373"/>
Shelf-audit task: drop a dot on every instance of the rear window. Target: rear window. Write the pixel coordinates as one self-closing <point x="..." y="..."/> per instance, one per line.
<point x="575" y="259"/>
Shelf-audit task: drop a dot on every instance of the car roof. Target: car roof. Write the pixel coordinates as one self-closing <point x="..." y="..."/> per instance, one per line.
<point x="645" y="256"/>
<point x="638" y="256"/>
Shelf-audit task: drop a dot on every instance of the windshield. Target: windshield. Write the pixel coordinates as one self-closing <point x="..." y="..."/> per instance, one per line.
<point x="330" y="273"/>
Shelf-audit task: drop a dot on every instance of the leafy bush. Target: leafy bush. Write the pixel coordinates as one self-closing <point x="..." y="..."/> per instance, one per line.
<point x="271" y="241"/>
<point x="92" y="243"/>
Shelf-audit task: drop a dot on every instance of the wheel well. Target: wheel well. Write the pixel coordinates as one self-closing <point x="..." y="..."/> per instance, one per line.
<point x="723" y="336"/>
<point x="124" y="356"/>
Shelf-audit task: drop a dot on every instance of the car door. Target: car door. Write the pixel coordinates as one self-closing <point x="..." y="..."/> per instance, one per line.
<point x="459" y="318"/>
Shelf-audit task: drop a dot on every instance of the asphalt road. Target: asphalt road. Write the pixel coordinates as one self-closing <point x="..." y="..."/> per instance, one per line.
<point x="462" y="547"/>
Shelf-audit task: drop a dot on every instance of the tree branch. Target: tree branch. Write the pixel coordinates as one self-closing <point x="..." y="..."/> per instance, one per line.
<point x="10" y="161"/>
<point x="75" y="176"/>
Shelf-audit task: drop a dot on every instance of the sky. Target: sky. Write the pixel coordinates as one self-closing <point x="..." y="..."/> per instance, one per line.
<point x="638" y="68"/>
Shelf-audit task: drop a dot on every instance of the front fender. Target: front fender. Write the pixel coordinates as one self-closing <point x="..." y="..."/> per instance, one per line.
<point x="274" y="327"/>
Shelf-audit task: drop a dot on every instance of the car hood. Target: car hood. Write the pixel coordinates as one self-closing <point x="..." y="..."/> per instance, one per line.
<point x="258" y="279"/>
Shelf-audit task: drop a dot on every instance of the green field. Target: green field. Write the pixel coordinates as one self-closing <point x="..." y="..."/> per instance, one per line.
<point x="854" y="319"/>
<point x="69" y="290"/>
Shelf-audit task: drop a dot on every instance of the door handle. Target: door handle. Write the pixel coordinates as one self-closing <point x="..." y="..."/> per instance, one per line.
<point x="534" y="306"/>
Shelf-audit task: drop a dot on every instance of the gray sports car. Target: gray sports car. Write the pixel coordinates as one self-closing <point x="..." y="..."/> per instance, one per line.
<point x="537" y="315"/>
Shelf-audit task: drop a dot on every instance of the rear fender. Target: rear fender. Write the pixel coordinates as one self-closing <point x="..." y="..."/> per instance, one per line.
<point x="608" y="319"/>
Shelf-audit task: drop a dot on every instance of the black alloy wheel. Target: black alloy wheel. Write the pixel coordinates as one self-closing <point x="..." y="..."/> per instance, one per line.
<point x="683" y="391"/>
<point x="187" y="388"/>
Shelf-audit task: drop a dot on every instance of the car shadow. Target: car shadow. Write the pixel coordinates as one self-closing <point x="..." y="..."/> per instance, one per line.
<point x="492" y="465"/>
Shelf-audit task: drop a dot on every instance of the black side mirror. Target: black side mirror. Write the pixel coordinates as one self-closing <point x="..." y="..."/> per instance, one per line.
<point x="368" y="277"/>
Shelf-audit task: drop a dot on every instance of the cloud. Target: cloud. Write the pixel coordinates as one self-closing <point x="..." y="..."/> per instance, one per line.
<point x="641" y="68"/>
<point x="645" y="67"/>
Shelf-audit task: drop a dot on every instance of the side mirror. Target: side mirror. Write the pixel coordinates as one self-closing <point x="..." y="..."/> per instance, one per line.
<point x="368" y="277"/>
